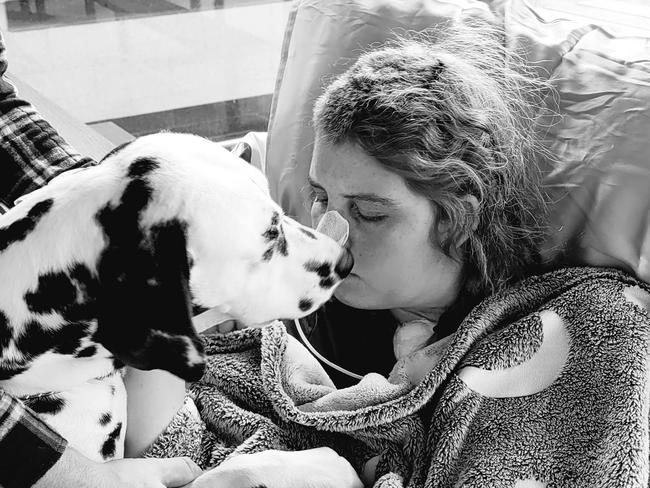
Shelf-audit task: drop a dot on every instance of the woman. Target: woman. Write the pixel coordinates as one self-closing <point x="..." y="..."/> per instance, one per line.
<point x="427" y="150"/>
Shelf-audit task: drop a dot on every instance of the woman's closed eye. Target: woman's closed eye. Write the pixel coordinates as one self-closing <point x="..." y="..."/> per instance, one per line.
<point x="360" y="212"/>
<point x="317" y="196"/>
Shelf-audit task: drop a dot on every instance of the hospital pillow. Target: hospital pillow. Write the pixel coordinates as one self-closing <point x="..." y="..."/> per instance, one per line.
<point x="601" y="174"/>
<point x="599" y="170"/>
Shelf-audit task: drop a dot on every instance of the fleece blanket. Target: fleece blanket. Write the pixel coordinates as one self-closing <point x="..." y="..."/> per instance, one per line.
<point x="546" y="384"/>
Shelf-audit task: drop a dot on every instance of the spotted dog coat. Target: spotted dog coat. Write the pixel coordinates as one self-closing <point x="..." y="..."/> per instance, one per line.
<point x="98" y="268"/>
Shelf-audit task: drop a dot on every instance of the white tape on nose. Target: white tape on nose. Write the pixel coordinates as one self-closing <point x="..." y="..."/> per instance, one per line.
<point x="335" y="226"/>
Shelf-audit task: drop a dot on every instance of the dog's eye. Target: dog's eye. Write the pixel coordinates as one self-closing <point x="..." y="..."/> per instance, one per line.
<point x="271" y="233"/>
<point x="275" y="236"/>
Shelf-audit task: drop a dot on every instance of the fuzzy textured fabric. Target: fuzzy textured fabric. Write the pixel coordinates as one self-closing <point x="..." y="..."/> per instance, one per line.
<point x="546" y="384"/>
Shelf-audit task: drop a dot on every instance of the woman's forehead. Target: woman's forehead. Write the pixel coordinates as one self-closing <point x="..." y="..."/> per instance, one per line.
<point x="348" y="169"/>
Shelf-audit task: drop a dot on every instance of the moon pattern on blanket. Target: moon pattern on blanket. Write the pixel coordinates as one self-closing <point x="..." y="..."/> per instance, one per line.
<point x="638" y="296"/>
<point x="531" y="376"/>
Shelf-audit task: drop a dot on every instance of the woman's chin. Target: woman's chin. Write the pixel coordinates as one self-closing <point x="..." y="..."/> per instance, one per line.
<point x="347" y="290"/>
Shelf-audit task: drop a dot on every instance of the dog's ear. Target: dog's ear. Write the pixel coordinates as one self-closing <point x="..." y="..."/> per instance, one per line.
<point x="144" y="311"/>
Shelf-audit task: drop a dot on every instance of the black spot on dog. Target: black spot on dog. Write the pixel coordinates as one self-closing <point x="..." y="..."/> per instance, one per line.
<point x="136" y="196"/>
<point x="84" y="280"/>
<point x="117" y="364"/>
<point x="35" y="339"/>
<point x="115" y="150"/>
<point x="173" y="351"/>
<point x="20" y="229"/>
<point x="281" y="245"/>
<point x="105" y="419"/>
<point x="275" y="235"/>
<point x="72" y="295"/>
<point x="142" y="167"/>
<point x="113" y="389"/>
<point x="268" y="254"/>
<point x="6" y="333"/>
<point x="49" y="404"/>
<point x="327" y="283"/>
<point x="8" y="371"/>
<point x="86" y="352"/>
<point x="54" y="292"/>
<point x="144" y="276"/>
<point x="308" y="233"/>
<point x="324" y="270"/>
<point x="108" y="448"/>
<point x="305" y="304"/>
<point x="40" y="209"/>
<point x="271" y="234"/>
<point x="121" y="223"/>
<point x="68" y="338"/>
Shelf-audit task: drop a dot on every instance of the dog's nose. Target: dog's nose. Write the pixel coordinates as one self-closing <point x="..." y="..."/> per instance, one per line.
<point x="344" y="264"/>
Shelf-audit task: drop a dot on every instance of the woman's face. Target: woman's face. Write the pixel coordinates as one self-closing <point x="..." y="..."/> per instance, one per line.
<point x="396" y="264"/>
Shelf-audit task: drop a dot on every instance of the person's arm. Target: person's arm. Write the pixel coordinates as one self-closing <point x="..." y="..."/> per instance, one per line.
<point x="34" y="455"/>
<point x="28" y="447"/>
<point x="31" y="150"/>
<point x="74" y="470"/>
<point x="31" y="453"/>
<point x="143" y="389"/>
<point x="313" y="468"/>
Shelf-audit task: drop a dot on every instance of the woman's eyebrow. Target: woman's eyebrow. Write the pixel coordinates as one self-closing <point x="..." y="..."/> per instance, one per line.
<point x="366" y="197"/>
<point x="372" y="198"/>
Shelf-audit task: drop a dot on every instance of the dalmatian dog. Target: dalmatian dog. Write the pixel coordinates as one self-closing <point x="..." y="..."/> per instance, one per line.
<point x="102" y="266"/>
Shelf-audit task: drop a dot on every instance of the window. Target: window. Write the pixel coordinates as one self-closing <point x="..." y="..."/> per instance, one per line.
<point x="140" y="66"/>
<point x="624" y="17"/>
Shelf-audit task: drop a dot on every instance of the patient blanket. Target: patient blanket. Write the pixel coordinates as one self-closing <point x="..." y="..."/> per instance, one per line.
<point x="546" y="384"/>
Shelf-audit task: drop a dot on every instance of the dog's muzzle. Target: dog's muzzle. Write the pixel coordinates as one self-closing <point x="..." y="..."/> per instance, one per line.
<point x="344" y="264"/>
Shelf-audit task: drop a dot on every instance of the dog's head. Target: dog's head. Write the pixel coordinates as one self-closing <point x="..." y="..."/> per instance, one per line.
<point x="194" y="221"/>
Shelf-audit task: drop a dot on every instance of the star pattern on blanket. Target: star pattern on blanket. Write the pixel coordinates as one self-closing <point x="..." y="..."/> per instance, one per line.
<point x="530" y="376"/>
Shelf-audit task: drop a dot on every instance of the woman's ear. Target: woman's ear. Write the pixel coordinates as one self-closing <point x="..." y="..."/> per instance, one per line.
<point x="469" y="215"/>
<point x="471" y="208"/>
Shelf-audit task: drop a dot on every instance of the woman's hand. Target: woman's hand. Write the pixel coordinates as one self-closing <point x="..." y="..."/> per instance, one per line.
<point x="151" y="473"/>
<point x="74" y="469"/>
<point x="313" y="468"/>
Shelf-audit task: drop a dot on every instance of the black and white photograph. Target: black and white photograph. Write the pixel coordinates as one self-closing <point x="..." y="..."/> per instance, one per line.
<point x="325" y="243"/>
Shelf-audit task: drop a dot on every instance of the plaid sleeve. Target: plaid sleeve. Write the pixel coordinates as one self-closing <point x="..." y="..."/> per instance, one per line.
<point x="28" y="447"/>
<point x="31" y="151"/>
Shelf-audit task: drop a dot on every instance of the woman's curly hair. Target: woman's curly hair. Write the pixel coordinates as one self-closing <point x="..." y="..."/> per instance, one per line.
<point x="454" y="116"/>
